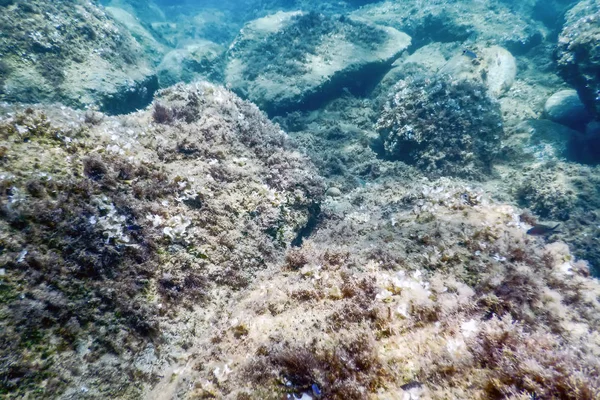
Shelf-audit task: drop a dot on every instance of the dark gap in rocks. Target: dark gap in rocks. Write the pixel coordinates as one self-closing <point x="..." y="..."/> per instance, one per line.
<point x="133" y="98"/>
<point x="584" y="149"/>
<point x="313" y="220"/>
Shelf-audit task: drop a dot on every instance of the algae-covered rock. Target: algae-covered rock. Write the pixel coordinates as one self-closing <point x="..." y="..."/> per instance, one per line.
<point x="494" y="66"/>
<point x="150" y="46"/>
<point x="295" y="60"/>
<point x="430" y="275"/>
<point x="540" y="140"/>
<point x="74" y="53"/>
<point x="443" y="125"/>
<point x="147" y="11"/>
<point x="429" y="58"/>
<point x="110" y="225"/>
<point x="444" y="21"/>
<point x="568" y="193"/>
<point x="579" y="52"/>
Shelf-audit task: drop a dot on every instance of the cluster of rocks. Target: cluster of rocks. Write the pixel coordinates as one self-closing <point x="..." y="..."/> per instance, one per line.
<point x="194" y="236"/>
<point x="110" y="225"/>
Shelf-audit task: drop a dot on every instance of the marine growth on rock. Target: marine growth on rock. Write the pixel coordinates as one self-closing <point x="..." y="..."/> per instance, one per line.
<point x="441" y="125"/>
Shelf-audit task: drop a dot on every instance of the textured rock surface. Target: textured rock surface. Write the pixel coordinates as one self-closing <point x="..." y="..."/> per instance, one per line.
<point x="565" y="107"/>
<point x="152" y="49"/>
<point x="579" y="52"/>
<point x="201" y="60"/>
<point x="494" y="66"/>
<point x="540" y="140"/>
<point x="432" y="276"/>
<point x="71" y="52"/>
<point x="295" y="60"/>
<point x="443" y="125"/>
<point x="450" y="21"/>
<point x="110" y="226"/>
<point x="191" y="251"/>
<point x="568" y="193"/>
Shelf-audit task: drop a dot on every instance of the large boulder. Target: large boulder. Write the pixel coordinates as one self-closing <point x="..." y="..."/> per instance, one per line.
<point x="117" y="221"/>
<point x="73" y="53"/>
<point x="150" y="46"/>
<point x="539" y="140"/>
<point x="213" y="24"/>
<point x="444" y="126"/>
<point x="295" y="60"/>
<point x="494" y="66"/>
<point x="579" y="52"/>
<point x="458" y="21"/>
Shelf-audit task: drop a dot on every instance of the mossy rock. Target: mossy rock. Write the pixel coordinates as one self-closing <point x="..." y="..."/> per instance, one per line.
<point x="295" y="60"/>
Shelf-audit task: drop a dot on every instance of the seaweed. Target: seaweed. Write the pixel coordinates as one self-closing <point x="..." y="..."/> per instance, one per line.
<point x="442" y="125"/>
<point x="349" y="369"/>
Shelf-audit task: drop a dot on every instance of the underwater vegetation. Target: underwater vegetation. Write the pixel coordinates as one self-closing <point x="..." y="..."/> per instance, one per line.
<point x="419" y="219"/>
<point x="73" y="53"/>
<point x="92" y="257"/>
<point x="445" y="127"/>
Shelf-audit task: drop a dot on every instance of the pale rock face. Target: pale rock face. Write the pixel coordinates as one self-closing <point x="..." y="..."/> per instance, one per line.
<point x="565" y="107"/>
<point x="494" y="66"/>
<point x="141" y="35"/>
<point x="196" y="61"/>
<point x="502" y="70"/>
<point x="282" y="75"/>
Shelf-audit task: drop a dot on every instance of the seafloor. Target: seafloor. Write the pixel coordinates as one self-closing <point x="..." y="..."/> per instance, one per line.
<point x="271" y="199"/>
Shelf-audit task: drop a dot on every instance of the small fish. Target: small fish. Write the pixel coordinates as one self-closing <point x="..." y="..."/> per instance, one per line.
<point x="542" y="230"/>
<point x="411" y="385"/>
<point x="315" y="389"/>
<point x="469" y="53"/>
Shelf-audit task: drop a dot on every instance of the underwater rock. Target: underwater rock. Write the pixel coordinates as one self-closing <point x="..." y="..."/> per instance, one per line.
<point x="539" y="140"/>
<point x="578" y="52"/>
<point x="200" y="190"/>
<point x="565" y="107"/>
<point x="150" y="46"/>
<point x="427" y="59"/>
<point x="431" y="274"/>
<point x="201" y="60"/>
<point x="494" y="66"/>
<point x="214" y="25"/>
<point x="333" y="192"/>
<point x="564" y="191"/>
<point x="550" y="190"/>
<point x="147" y="11"/>
<point x="296" y="61"/>
<point x="73" y="53"/>
<point x="442" y="125"/>
<point x="458" y="21"/>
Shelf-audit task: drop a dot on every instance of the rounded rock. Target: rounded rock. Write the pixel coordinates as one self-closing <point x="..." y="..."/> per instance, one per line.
<point x="566" y="108"/>
<point x="333" y="192"/>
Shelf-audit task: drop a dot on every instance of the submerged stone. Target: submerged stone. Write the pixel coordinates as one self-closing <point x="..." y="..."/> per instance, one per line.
<point x="494" y="66"/>
<point x="296" y="61"/>
<point x="565" y="107"/>
<point x="202" y="60"/>
<point x="579" y="54"/>
<point x="73" y="53"/>
<point x="458" y="21"/>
